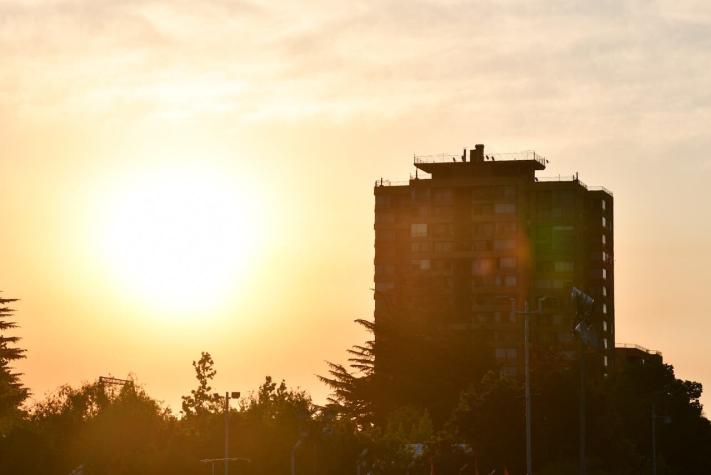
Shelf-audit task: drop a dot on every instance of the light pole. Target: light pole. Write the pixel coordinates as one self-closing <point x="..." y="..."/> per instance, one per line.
<point x="583" y="303"/>
<point x="527" y="372"/>
<point x="228" y="396"/>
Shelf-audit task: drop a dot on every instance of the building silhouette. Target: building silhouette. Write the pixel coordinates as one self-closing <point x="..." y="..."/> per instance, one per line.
<point x="468" y="240"/>
<point x="630" y="355"/>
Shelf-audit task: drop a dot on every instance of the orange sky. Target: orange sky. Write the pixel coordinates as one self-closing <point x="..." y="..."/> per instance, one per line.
<point x="287" y="112"/>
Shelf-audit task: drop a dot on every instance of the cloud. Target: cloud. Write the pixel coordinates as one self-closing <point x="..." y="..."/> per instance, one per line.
<point x="567" y="62"/>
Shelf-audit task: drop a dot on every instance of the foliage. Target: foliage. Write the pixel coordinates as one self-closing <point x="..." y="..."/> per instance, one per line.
<point x="12" y="392"/>
<point x="201" y="400"/>
<point x="354" y="386"/>
<point x="106" y="431"/>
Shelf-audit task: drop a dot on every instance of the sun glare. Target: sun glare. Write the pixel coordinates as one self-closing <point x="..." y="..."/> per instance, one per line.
<point x="181" y="238"/>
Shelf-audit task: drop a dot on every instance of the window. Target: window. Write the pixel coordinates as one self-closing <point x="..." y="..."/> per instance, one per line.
<point x="481" y="245"/>
<point x="604" y="325"/>
<point x="504" y="244"/>
<point x="543" y="284"/>
<point x="563" y="237"/>
<point x="485" y="281"/>
<point x="482" y="317"/>
<point x="604" y="273"/>
<point x="442" y="265"/>
<point x="384" y="234"/>
<point x="508" y="354"/>
<point x="384" y="286"/>
<point x="483" y="193"/>
<point x="560" y="284"/>
<point x="507" y="263"/>
<point x="442" y="211"/>
<point x="482" y="209"/>
<point x="510" y="281"/>
<point x="382" y="201"/>
<point x="443" y="246"/>
<point x="604" y="309"/>
<point x="506" y="228"/>
<point x="604" y="291"/>
<point x="504" y="208"/>
<point x="420" y="246"/>
<point x="442" y="229"/>
<point x="604" y="358"/>
<point x="482" y="266"/>
<point x="483" y="230"/>
<point x="604" y="240"/>
<point x="508" y="372"/>
<point x="418" y="230"/>
<point x="604" y="222"/>
<point x="604" y="205"/>
<point x="563" y="266"/>
<point x="443" y="197"/>
<point x="604" y="343"/>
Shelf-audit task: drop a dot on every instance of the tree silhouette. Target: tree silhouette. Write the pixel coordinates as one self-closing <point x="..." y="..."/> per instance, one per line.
<point x="201" y="400"/>
<point x="12" y="392"/>
<point x="353" y="385"/>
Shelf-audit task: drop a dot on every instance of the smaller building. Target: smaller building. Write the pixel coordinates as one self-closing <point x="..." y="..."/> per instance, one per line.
<point x="627" y="355"/>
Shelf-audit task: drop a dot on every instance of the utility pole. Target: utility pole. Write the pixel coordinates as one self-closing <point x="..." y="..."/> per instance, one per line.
<point x="228" y="396"/>
<point x="527" y="372"/>
<point x="654" y="440"/>
<point x="583" y="305"/>
<point x="227" y="432"/>
<point x="581" y="415"/>
<point x="527" y="386"/>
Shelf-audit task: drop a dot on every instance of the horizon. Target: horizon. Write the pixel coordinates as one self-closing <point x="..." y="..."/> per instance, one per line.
<point x="271" y="124"/>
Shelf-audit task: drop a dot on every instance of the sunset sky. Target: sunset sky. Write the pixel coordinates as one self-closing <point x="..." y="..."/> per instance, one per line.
<point x="252" y="132"/>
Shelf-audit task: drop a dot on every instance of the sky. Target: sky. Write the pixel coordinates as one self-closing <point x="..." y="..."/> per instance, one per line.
<point x="266" y="124"/>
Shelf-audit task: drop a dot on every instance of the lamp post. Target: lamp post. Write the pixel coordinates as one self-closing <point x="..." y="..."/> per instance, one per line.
<point x="583" y="303"/>
<point x="228" y="396"/>
<point x="527" y="371"/>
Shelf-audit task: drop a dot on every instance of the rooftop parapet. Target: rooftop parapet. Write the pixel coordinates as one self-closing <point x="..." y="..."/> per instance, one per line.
<point x="633" y="346"/>
<point x="474" y="156"/>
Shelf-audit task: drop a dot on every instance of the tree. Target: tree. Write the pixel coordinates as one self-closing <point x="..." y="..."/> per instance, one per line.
<point x="489" y="417"/>
<point x="353" y="386"/>
<point x="12" y="392"/>
<point x="112" y="432"/>
<point x="201" y="400"/>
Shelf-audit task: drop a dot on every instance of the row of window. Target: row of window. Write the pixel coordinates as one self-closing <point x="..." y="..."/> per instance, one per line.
<point x="448" y="246"/>
<point x="487" y="265"/>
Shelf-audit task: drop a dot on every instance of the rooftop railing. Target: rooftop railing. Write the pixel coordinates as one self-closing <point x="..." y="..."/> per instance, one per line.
<point x="382" y="182"/>
<point x="572" y="178"/>
<point x="455" y="157"/>
<point x="638" y="347"/>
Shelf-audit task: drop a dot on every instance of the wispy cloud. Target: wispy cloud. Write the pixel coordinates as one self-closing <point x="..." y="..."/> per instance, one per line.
<point x="631" y="61"/>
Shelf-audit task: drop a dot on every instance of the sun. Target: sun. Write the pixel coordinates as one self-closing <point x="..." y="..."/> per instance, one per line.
<point x="181" y="238"/>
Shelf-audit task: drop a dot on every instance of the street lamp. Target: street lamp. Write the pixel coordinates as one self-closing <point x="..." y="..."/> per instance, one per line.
<point x="228" y="395"/>
<point x="527" y="370"/>
<point x="583" y="309"/>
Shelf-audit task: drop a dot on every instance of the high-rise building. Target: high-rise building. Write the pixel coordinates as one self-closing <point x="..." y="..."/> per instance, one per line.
<point x="481" y="236"/>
